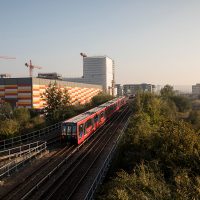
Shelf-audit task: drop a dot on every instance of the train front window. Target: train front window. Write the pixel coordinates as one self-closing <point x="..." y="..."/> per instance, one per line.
<point x="96" y="118"/>
<point x="71" y="129"/>
<point x="64" y="129"/>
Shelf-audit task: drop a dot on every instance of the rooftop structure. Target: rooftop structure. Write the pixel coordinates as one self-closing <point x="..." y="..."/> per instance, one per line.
<point x="53" y="75"/>
<point x="5" y="76"/>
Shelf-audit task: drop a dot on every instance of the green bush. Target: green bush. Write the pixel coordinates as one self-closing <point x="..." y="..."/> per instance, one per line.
<point x="8" y="128"/>
<point x="143" y="183"/>
<point x="21" y="115"/>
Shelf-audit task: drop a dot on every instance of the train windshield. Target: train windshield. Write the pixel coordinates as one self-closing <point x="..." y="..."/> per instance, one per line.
<point x="69" y="129"/>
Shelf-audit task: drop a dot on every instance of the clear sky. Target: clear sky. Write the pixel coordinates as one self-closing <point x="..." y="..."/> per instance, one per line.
<point x="153" y="41"/>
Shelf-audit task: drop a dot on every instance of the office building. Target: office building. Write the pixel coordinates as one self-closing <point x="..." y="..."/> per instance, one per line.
<point x="98" y="70"/>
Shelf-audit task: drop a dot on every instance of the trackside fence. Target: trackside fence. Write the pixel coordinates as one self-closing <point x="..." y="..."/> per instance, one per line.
<point x="9" y="143"/>
<point x="14" y="165"/>
<point x="18" y="151"/>
<point x="103" y="170"/>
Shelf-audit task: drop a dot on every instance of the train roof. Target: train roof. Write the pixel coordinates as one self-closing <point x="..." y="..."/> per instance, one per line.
<point x="91" y="111"/>
<point x="78" y="118"/>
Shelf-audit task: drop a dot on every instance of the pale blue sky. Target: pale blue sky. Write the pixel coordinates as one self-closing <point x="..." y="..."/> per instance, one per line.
<point x="153" y="41"/>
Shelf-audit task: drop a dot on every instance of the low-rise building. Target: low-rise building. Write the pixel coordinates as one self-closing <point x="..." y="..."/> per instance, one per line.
<point x="132" y="89"/>
<point x="196" y="89"/>
<point x="27" y="92"/>
<point x="119" y="88"/>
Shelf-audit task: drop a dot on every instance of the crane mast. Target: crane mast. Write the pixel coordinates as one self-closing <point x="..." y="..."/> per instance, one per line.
<point x="31" y="67"/>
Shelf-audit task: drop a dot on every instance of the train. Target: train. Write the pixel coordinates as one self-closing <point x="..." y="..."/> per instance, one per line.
<point x="76" y="129"/>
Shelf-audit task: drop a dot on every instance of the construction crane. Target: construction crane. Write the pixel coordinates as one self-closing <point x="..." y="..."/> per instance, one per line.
<point x="31" y="67"/>
<point x="83" y="55"/>
<point x="7" y="57"/>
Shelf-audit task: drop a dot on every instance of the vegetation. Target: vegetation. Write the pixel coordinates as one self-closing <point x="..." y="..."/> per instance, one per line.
<point x="159" y="157"/>
<point x="100" y="99"/>
<point x="56" y="102"/>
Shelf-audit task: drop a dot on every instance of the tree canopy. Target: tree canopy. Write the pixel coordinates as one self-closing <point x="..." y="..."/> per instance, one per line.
<point x="167" y="91"/>
<point x="56" y="101"/>
<point x="100" y="99"/>
<point x="159" y="156"/>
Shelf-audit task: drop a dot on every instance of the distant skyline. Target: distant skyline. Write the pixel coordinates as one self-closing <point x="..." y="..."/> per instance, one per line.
<point x="153" y="41"/>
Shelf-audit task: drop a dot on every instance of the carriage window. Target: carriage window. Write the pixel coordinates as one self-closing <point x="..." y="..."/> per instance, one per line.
<point x="96" y="118"/>
<point x="89" y="123"/>
<point x="101" y="115"/>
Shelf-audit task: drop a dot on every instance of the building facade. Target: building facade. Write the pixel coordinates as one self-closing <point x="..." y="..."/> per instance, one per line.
<point x="196" y="89"/>
<point x="27" y="92"/>
<point x="98" y="70"/>
<point x="119" y="91"/>
<point x="132" y="89"/>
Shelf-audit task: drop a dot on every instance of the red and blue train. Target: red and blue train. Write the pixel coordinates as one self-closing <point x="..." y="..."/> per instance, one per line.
<point x="78" y="128"/>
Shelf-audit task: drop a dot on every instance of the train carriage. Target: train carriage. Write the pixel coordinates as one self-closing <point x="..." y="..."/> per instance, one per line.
<point x="78" y="128"/>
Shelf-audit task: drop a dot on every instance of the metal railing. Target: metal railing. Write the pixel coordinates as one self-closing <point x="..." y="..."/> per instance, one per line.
<point x="102" y="172"/>
<point x="17" y="151"/>
<point x="9" y="143"/>
<point x="17" y="163"/>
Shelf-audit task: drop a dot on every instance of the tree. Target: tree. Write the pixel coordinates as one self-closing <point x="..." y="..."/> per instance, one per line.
<point x="100" y="98"/>
<point x="168" y="109"/>
<point x="56" y="101"/>
<point x="8" y="128"/>
<point x="6" y="111"/>
<point x="182" y="103"/>
<point x="167" y="91"/>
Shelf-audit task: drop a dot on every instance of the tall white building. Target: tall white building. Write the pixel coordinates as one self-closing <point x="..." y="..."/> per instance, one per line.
<point x="97" y="70"/>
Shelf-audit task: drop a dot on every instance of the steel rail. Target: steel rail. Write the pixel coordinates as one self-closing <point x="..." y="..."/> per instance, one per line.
<point x="56" y="187"/>
<point x="43" y="180"/>
<point x="100" y="130"/>
<point x="103" y="170"/>
<point x="21" y="187"/>
<point x="67" y="197"/>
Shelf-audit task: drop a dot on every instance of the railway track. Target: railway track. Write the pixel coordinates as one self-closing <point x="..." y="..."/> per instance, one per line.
<point x="72" y="176"/>
<point x="41" y="181"/>
<point x="37" y="175"/>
